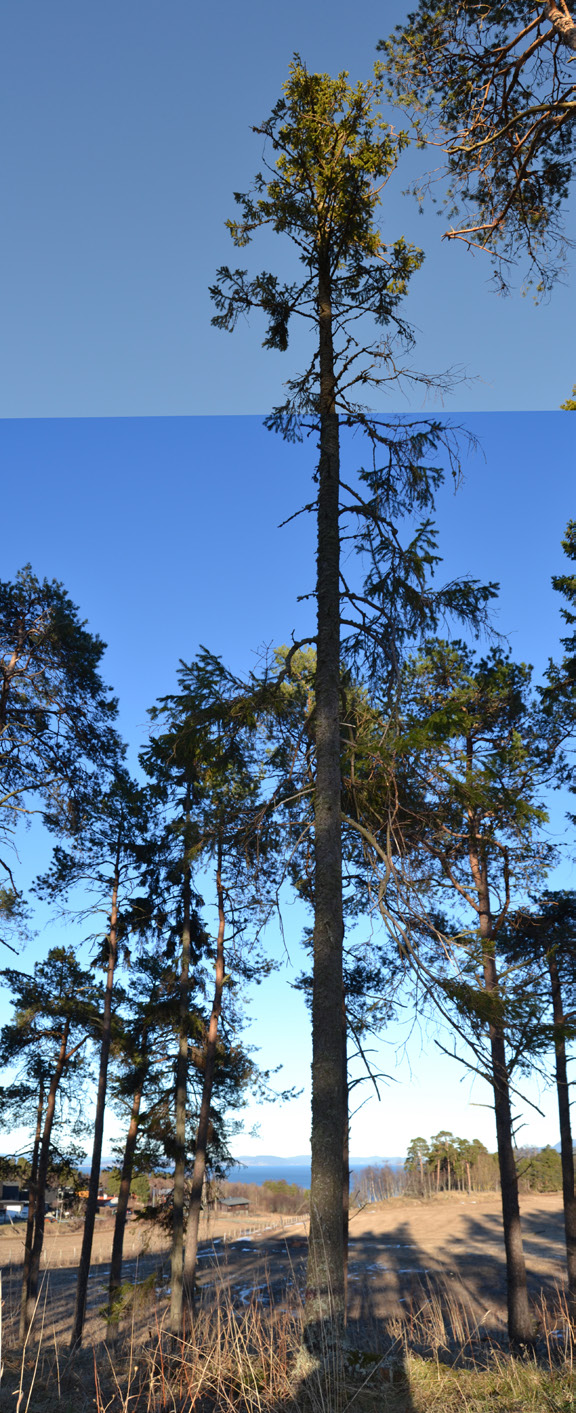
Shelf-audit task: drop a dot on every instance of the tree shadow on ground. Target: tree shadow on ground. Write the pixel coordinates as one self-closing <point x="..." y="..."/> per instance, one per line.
<point x="448" y="1305"/>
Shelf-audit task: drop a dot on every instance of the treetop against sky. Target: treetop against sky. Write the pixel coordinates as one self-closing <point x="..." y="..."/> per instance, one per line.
<point x="165" y="534"/>
<point x="128" y="129"/>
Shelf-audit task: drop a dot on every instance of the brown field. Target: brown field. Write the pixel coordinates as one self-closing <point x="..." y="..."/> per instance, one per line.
<point x="146" y="1251"/>
<point x="455" y="1241"/>
<point x="452" y="1242"/>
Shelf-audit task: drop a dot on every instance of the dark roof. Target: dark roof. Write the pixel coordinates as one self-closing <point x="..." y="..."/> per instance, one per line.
<point x="234" y="1201"/>
<point x="10" y="1192"/>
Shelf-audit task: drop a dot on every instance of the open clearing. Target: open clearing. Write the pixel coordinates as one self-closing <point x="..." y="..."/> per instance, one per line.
<point x="452" y="1241"/>
<point x="455" y="1240"/>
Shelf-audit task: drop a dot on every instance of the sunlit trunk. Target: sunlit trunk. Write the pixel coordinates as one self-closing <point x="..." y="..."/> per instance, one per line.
<point x="325" y="1296"/>
<point x="92" y="1202"/>
<point x="43" y="1162"/>
<point x="566" y="1149"/>
<point x="115" y="1280"/>
<point x="32" y="1197"/>
<point x="202" y="1133"/>
<point x="520" y="1323"/>
<point x="177" y="1252"/>
<point x="346" y="1161"/>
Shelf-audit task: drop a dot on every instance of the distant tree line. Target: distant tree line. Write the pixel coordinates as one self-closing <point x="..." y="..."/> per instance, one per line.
<point x="446" y="1163"/>
<point x="111" y="1181"/>
<point x="270" y="1196"/>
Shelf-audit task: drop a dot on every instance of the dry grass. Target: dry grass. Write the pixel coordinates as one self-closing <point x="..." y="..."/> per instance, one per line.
<point x="436" y="1359"/>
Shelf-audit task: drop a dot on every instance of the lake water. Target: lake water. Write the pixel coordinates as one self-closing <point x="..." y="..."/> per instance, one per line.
<point x="290" y="1172"/>
<point x="260" y="1173"/>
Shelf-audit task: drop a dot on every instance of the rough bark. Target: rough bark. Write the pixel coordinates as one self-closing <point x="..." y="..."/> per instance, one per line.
<point x="32" y="1192"/>
<point x="520" y="1323"/>
<point x="8" y="670"/>
<point x="563" y="24"/>
<point x="324" y="1310"/>
<point x="345" y="1157"/>
<point x="92" y="1202"/>
<point x="566" y="1150"/>
<point x="115" y="1280"/>
<point x="177" y="1251"/>
<point x="43" y="1161"/>
<point x="199" y="1170"/>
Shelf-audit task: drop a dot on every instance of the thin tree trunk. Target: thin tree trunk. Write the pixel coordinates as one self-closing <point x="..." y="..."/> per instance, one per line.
<point x="123" y="1199"/>
<point x="346" y="1160"/>
<point x="324" y="1310"/>
<point x="520" y="1323"/>
<point x="199" y="1170"/>
<point x="566" y="1150"/>
<point x="92" y="1203"/>
<point x="43" y="1162"/>
<point x="32" y="1191"/>
<point x="177" y="1252"/>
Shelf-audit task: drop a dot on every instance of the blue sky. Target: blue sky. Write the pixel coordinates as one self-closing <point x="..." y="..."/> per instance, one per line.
<point x="165" y="533"/>
<point x="126" y="129"/>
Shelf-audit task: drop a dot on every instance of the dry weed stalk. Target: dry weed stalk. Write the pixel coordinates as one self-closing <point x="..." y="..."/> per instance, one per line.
<point x="437" y="1356"/>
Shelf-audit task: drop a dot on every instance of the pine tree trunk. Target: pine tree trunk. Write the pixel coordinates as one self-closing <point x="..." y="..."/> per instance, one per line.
<point x="520" y="1323"/>
<point x="32" y="1196"/>
<point x="115" y="1280"/>
<point x="324" y="1310"/>
<point x="94" y="1181"/>
<point x="177" y="1251"/>
<point x="202" y="1132"/>
<point x="346" y="1160"/>
<point x="43" y="1162"/>
<point x="566" y="1150"/>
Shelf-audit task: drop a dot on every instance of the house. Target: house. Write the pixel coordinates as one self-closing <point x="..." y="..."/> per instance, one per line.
<point x="233" y="1204"/>
<point x="161" y="1190"/>
<point x="13" y="1202"/>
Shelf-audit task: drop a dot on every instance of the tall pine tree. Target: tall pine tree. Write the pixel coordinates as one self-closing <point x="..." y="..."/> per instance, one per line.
<point x="332" y="155"/>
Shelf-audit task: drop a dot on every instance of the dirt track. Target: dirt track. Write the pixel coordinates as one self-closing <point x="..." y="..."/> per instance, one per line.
<point x="395" y="1248"/>
<point x="234" y="1251"/>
